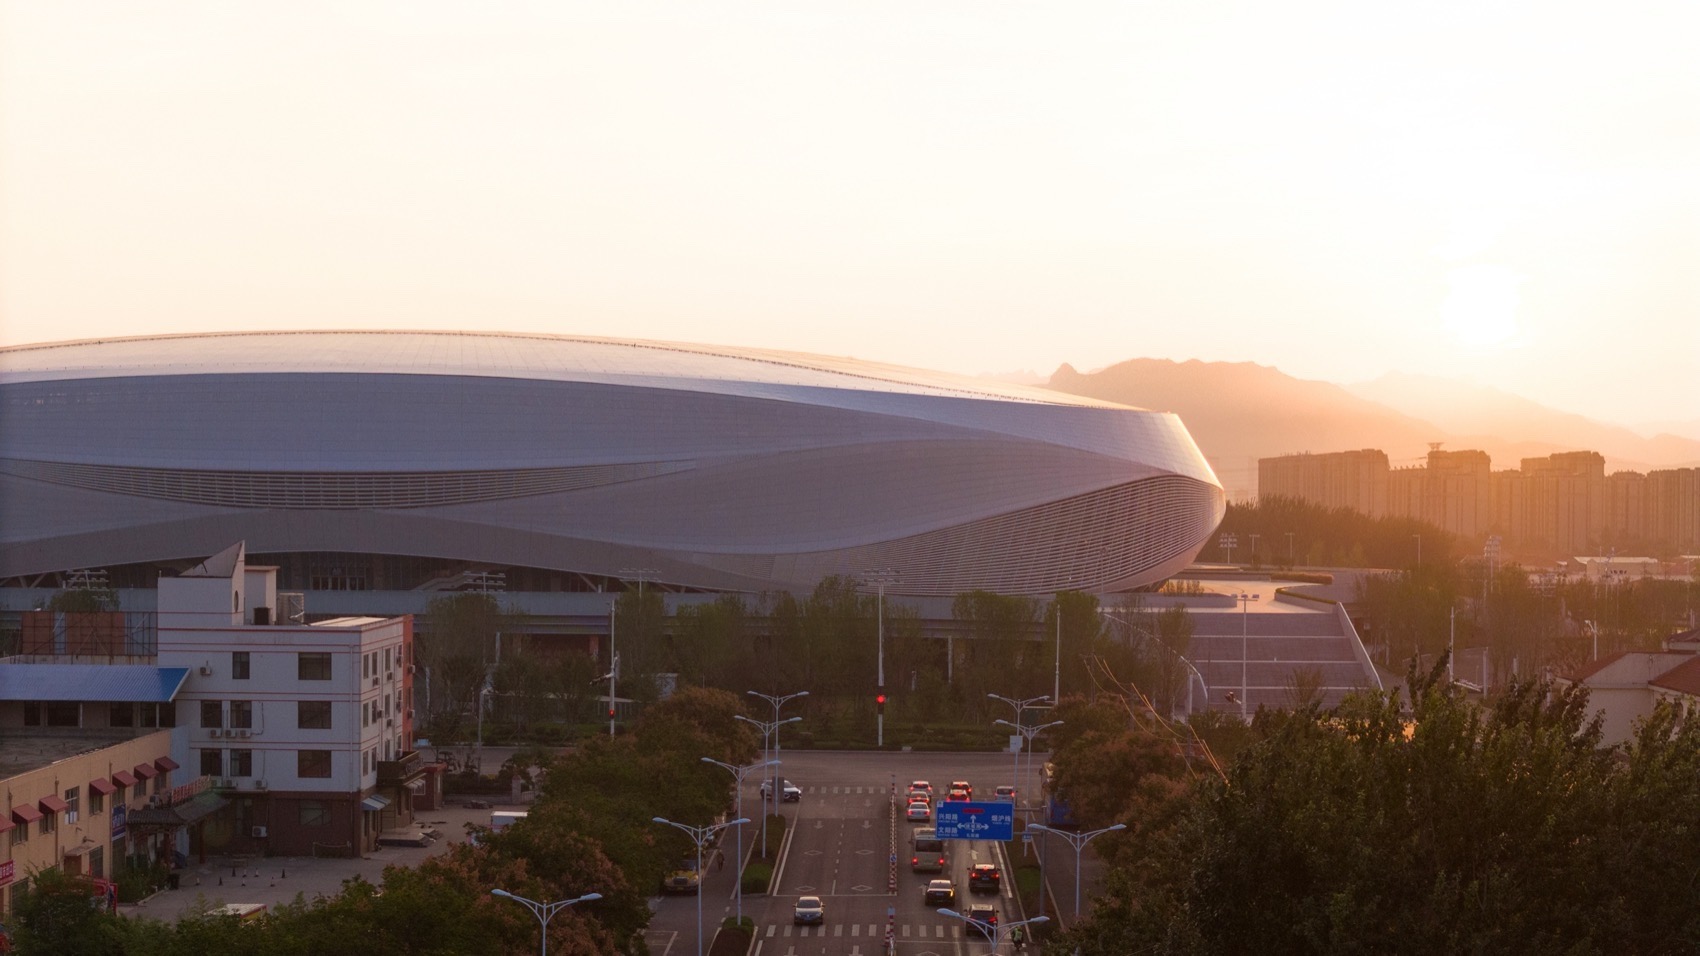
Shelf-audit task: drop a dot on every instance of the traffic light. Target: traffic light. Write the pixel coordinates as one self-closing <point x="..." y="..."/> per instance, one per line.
<point x="880" y="700"/>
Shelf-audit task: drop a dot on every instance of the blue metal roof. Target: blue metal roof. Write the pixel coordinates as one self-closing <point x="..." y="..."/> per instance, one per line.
<point x="91" y="682"/>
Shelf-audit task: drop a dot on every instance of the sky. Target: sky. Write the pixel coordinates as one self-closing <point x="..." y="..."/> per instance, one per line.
<point x="1504" y="193"/>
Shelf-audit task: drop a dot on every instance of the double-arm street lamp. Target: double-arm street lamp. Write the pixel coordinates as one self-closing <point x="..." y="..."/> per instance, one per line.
<point x="769" y="731"/>
<point x="993" y="931"/>
<point x="738" y="774"/>
<point x="545" y="911"/>
<point x="778" y="701"/>
<point x="1078" y="841"/>
<point x="1029" y="733"/>
<point x="701" y="836"/>
<point x="1020" y="709"/>
<point x="1245" y="643"/>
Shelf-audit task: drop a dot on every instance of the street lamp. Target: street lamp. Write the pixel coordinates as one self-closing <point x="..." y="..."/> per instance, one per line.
<point x="700" y="836"/>
<point x="1245" y="624"/>
<point x="1289" y="549"/>
<point x="1020" y="709"/>
<point x="1029" y="733"/>
<point x="1078" y="841"/>
<point x="738" y="774"/>
<point x="995" y="931"/>
<point x="545" y="911"/>
<point x="778" y="701"/>
<point x="769" y="729"/>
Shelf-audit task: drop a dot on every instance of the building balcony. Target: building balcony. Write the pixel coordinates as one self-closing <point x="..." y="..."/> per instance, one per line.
<point x="405" y="769"/>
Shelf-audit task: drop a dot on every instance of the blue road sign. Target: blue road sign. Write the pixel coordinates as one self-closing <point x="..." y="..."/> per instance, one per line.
<point x="960" y="820"/>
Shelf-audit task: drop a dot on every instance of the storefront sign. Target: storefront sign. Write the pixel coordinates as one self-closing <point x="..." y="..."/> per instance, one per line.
<point x="120" y="814"/>
<point x="6" y="872"/>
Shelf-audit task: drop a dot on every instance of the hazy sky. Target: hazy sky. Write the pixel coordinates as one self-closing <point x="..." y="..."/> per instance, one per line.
<point x="1503" y="192"/>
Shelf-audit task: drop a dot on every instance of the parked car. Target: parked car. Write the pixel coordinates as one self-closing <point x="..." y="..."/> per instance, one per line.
<point x="809" y="911"/>
<point x="788" y="791"/>
<point x="939" y="893"/>
<point x="964" y="786"/>
<point x="918" y="812"/>
<point x="983" y="917"/>
<point x="984" y="877"/>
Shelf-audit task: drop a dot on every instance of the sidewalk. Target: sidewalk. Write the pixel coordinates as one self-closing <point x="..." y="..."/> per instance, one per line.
<point x="276" y="880"/>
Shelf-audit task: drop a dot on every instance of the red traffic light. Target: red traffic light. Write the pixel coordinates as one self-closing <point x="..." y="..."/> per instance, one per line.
<point x="880" y="699"/>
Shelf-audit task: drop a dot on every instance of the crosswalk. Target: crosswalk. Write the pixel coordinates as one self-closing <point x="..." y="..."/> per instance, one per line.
<point x="853" y="930"/>
<point x="844" y="791"/>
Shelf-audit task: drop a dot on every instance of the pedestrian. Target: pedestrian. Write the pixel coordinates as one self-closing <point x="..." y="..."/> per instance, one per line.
<point x="1017" y="938"/>
<point x="719" y="861"/>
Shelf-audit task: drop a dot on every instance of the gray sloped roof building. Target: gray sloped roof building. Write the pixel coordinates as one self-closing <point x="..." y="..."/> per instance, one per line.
<point x="708" y="467"/>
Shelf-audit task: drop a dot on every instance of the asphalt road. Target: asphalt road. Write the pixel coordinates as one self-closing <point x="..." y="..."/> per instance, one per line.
<point x="841" y="844"/>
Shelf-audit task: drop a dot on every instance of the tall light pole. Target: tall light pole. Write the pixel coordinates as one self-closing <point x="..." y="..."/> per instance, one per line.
<point x="738" y="774"/>
<point x="1289" y="549"/>
<point x="700" y="836"/>
<point x="993" y="931"/>
<point x="1056" y="686"/>
<point x="1078" y="841"/>
<point x="880" y="577"/>
<point x="1245" y="644"/>
<point x="769" y="729"/>
<point x="545" y="911"/>
<point x="1029" y="733"/>
<point x="1020" y="709"/>
<point x="777" y="701"/>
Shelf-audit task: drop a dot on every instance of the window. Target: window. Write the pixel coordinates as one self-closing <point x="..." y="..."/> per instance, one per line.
<point x="49" y="822"/>
<point x="212" y="763"/>
<point x="212" y="713"/>
<point x="313" y="715"/>
<point x="32" y="713"/>
<point x="64" y="714"/>
<point x="121" y="715"/>
<point x="242" y="714"/>
<point x="72" y="800"/>
<point x="365" y="665"/>
<point x="314" y="666"/>
<point x="158" y="715"/>
<point x="20" y="833"/>
<point x="159" y="784"/>
<point x="118" y="795"/>
<point x="97" y="862"/>
<point x="315" y="813"/>
<point x="386" y="658"/>
<point x="241" y="763"/>
<point x="97" y="803"/>
<point x="312" y="763"/>
<point x="239" y="665"/>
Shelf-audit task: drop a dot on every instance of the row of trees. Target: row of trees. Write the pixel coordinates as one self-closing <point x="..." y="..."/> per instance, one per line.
<point x="589" y="831"/>
<point x="1389" y="825"/>
<point x="826" y="641"/>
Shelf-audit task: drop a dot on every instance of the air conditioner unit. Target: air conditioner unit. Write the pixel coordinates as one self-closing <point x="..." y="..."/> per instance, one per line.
<point x="215" y="732"/>
<point x="206" y="671"/>
<point x="259" y="832"/>
<point x="242" y="733"/>
<point x="259" y="785"/>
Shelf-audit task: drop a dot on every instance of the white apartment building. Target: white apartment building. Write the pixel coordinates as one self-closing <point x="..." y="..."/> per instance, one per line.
<point x="305" y="729"/>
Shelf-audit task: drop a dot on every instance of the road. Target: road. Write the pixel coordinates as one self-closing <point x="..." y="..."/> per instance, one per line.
<point x="840" y="848"/>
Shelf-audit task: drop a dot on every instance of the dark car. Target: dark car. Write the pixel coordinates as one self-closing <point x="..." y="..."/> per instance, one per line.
<point x="939" y="893"/>
<point x="984" y="877"/>
<point x="983" y="918"/>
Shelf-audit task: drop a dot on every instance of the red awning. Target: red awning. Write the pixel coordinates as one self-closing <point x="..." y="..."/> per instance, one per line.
<point x="54" y="805"/>
<point x="166" y="764"/>
<point x="6" y="822"/>
<point x="102" y="785"/>
<point x="124" y="778"/>
<point x="146" y="770"/>
<point x="26" y="813"/>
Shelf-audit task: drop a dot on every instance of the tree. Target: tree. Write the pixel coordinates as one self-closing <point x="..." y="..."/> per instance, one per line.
<point x="457" y="646"/>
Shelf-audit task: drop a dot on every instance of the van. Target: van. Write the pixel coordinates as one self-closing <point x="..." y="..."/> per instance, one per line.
<point x="927" y="852"/>
<point x="244" y="912"/>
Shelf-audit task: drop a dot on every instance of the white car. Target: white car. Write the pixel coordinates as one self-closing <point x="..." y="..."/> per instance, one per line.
<point x="788" y="791"/>
<point x="919" y="811"/>
<point x="809" y="911"/>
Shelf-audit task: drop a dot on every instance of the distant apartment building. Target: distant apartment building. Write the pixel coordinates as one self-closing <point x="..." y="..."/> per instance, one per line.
<point x="1342" y="479"/>
<point x="1563" y="503"/>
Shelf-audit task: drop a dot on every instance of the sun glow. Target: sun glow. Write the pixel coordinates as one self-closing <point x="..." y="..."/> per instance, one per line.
<point x="1481" y="305"/>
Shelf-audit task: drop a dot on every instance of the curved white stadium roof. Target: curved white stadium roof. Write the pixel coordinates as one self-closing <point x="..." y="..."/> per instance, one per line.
<point x="720" y="468"/>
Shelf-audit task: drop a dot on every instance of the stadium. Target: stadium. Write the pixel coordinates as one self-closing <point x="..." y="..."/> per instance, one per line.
<point x="410" y="460"/>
